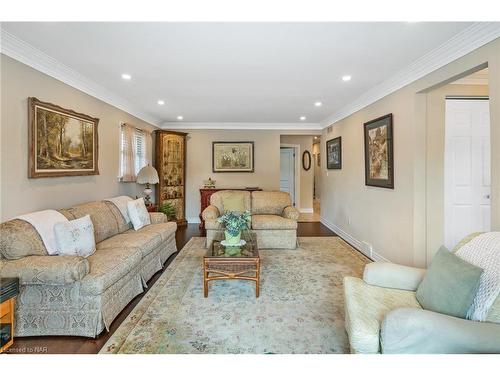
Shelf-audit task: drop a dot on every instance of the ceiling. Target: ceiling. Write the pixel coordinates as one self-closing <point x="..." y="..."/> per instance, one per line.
<point x="236" y="72"/>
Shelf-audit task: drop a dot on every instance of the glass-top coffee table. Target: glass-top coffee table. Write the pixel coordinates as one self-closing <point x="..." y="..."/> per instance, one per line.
<point x="232" y="262"/>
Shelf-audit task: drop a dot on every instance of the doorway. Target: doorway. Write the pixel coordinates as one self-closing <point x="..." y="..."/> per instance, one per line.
<point x="287" y="171"/>
<point x="467" y="180"/>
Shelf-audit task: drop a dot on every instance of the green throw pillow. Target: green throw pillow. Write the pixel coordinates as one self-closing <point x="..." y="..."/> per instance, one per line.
<point x="450" y="285"/>
<point x="233" y="203"/>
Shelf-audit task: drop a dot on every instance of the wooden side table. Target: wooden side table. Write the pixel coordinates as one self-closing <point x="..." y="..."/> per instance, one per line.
<point x="152" y="208"/>
<point x="9" y="289"/>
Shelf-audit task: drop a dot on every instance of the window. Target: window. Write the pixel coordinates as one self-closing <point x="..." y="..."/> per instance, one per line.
<point x="133" y="152"/>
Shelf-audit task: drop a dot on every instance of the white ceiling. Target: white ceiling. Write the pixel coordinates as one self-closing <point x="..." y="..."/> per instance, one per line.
<point x="236" y="72"/>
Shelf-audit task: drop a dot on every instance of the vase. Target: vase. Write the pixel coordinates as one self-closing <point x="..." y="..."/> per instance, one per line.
<point x="232" y="240"/>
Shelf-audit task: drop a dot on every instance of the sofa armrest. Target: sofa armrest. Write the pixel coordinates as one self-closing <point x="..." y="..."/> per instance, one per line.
<point x="157" y="217"/>
<point x="395" y="276"/>
<point x="211" y="212"/>
<point x="410" y="330"/>
<point x="291" y="212"/>
<point x="46" y="269"/>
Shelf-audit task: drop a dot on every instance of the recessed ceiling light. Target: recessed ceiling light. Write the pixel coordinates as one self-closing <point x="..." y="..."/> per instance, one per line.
<point x="302" y="118"/>
<point x="180" y="118"/>
<point x="315" y="137"/>
<point x="318" y="104"/>
<point x="346" y="78"/>
<point x="160" y="102"/>
<point x="126" y="76"/>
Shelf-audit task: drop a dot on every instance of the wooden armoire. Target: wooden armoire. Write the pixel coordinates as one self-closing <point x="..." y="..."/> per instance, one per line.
<point x="171" y="166"/>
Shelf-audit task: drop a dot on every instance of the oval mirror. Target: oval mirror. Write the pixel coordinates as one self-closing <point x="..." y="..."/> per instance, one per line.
<point x="306" y="160"/>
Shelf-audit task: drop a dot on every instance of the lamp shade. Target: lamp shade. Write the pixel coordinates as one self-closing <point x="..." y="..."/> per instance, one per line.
<point x="147" y="175"/>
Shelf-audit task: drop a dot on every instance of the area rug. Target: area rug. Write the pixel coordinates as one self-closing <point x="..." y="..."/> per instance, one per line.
<point x="300" y="308"/>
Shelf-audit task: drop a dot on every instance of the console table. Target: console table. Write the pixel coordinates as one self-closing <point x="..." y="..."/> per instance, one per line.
<point x="206" y="193"/>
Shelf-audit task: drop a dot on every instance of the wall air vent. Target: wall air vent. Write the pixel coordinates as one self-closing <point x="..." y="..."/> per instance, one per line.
<point x="329" y="129"/>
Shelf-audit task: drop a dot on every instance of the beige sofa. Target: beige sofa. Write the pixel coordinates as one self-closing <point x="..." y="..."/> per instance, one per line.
<point x="274" y="219"/>
<point x="71" y="295"/>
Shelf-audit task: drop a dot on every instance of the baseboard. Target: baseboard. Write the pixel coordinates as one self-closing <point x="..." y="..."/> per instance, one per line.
<point x="193" y="220"/>
<point x="354" y="242"/>
<point x="306" y="210"/>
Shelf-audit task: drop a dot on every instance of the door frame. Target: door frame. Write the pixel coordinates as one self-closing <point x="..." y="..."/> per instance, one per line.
<point x="296" y="170"/>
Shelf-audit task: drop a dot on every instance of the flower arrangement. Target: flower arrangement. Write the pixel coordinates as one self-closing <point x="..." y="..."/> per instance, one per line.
<point x="234" y="223"/>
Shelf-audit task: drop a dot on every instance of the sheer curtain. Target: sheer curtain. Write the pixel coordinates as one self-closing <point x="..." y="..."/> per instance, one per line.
<point x="136" y="151"/>
<point x="128" y="153"/>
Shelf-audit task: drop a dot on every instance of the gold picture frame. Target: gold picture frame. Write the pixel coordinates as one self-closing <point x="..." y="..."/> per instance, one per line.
<point x="62" y="142"/>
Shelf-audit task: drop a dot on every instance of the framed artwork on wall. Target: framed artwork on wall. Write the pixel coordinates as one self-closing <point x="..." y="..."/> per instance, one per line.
<point x="62" y="142"/>
<point x="334" y="153"/>
<point x="379" y="154"/>
<point x="232" y="157"/>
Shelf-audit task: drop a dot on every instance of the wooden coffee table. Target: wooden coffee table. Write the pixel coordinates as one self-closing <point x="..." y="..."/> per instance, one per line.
<point x="232" y="262"/>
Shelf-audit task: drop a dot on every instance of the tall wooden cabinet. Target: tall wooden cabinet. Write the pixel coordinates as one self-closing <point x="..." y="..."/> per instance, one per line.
<point x="171" y="167"/>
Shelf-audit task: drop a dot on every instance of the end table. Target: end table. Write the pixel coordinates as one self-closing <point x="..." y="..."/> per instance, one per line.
<point x="9" y="289"/>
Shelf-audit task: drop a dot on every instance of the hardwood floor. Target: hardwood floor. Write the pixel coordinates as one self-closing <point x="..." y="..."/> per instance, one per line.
<point x="77" y="345"/>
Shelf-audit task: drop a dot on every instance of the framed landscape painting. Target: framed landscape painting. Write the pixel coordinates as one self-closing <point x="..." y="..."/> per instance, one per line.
<point x="232" y="157"/>
<point x="379" y="156"/>
<point x="334" y="153"/>
<point x="62" y="142"/>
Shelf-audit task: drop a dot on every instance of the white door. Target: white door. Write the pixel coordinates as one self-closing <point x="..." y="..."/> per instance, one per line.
<point x="467" y="168"/>
<point x="287" y="171"/>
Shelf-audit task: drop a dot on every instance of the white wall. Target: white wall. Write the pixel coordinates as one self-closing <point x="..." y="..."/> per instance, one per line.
<point x="19" y="194"/>
<point x="394" y="222"/>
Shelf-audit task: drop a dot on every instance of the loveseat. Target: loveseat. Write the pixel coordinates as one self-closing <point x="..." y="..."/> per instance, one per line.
<point x="274" y="219"/>
<point x="383" y="315"/>
<point x="71" y="295"/>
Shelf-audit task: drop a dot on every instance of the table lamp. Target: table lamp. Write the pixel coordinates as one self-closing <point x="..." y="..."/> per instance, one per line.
<point x="147" y="175"/>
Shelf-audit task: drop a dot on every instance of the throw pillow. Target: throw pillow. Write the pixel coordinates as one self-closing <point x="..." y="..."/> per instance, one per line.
<point x="233" y="203"/>
<point x="450" y="285"/>
<point x="75" y="237"/>
<point x="138" y="213"/>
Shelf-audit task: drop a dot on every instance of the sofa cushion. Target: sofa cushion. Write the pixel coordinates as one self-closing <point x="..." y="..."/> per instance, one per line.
<point x="233" y="203"/>
<point x="366" y="305"/>
<point x="450" y="285"/>
<point x="217" y="199"/>
<point x="146" y="242"/>
<point x="103" y="218"/>
<point x="18" y="239"/>
<point x="108" y="266"/>
<point x="272" y="222"/>
<point x="165" y="230"/>
<point x="122" y="224"/>
<point x="270" y="202"/>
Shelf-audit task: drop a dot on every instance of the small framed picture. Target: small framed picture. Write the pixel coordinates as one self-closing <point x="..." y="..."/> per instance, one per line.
<point x="379" y="155"/>
<point x="334" y="153"/>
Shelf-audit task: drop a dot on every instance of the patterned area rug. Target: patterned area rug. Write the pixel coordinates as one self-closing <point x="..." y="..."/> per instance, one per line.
<point x="300" y="308"/>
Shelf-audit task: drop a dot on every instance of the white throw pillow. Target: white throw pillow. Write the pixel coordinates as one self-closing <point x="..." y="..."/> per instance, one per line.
<point x="75" y="237"/>
<point x="138" y="213"/>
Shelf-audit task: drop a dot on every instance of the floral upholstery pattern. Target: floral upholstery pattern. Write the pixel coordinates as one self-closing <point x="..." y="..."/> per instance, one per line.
<point x="270" y="202"/>
<point x="19" y="239"/>
<point x="46" y="270"/>
<point x="272" y="222"/>
<point x="157" y="217"/>
<point x="70" y="295"/>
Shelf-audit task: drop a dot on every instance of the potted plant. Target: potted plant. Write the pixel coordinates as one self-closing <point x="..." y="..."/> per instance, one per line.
<point x="169" y="210"/>
<point x="234" y="223"/>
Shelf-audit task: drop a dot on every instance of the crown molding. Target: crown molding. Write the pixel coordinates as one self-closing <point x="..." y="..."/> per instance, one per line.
<point x="309" y="126"/>
<point x="473" y="37"/>
<point x="25" y="53"/>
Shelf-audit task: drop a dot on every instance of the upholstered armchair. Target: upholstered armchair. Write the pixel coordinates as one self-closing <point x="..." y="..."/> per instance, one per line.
<point x="274" y="219"/>
<point x="384" y="316"/>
